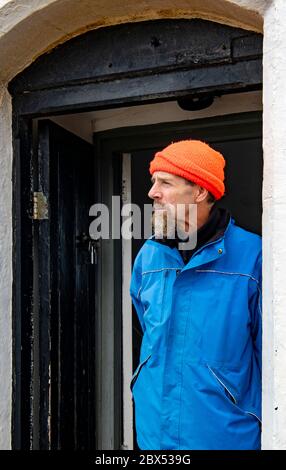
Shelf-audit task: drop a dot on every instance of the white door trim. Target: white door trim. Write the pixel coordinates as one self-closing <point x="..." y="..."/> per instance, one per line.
<point x="128" y="425"/>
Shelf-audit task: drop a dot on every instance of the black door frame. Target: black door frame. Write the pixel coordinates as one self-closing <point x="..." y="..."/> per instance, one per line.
<point x="161" y="64"/>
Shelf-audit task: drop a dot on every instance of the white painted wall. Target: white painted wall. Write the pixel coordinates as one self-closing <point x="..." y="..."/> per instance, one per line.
<point x="256" y="5"/>
<point x="5" y="270"/>
<point x="274" y="229"/>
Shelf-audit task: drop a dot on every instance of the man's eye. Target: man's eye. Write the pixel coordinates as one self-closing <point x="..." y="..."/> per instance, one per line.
<point x="166" y="182"/>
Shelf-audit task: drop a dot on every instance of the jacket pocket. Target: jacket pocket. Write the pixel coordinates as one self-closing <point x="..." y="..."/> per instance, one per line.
<point x="137" y="372"/>
<point x="228" y="393"/>
<point x="231" y="395"/>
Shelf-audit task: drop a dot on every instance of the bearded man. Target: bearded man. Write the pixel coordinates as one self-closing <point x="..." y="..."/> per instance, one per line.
<point x="198" y="382"/>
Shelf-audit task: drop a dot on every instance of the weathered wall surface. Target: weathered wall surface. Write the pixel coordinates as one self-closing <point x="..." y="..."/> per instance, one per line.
<point x="5" y="269"/>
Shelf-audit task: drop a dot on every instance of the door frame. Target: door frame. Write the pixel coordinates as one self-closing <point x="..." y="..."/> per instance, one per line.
<point x="118" y="145"/>
<point x="236" y="68"/>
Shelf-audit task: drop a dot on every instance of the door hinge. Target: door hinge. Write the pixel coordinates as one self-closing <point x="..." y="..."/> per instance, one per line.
<point x="40" y="206"/>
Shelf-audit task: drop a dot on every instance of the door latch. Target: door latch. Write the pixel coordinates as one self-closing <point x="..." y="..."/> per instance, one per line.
<point x="40" y="206"/>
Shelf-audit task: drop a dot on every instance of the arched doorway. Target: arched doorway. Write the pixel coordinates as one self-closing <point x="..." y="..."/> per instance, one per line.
<point x="66" y="308"/>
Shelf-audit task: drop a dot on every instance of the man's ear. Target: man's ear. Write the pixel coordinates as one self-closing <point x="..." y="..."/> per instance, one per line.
<point x="202" y="194"/>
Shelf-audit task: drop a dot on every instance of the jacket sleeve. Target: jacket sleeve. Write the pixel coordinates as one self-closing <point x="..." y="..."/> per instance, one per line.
<point x="255" y="303"/>
<point x="135" y="287"/>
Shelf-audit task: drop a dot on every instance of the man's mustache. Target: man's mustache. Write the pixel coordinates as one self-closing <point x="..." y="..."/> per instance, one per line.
<point x="167" y="207"/>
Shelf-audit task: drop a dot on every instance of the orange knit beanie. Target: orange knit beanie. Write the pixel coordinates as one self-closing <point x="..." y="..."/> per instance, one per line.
<point x="195" y="161"/>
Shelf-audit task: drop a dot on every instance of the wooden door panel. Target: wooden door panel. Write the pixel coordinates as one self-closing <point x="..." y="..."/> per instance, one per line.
<point x="66" y="294"/>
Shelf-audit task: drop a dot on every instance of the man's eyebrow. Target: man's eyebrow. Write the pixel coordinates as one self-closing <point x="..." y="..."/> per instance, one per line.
<point x="160" y="178"/>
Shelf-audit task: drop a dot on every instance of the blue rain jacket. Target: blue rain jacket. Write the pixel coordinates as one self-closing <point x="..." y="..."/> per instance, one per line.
<point x="198" y="383"/>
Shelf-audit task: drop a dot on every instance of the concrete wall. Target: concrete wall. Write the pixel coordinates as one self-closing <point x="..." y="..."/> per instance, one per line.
<point x="29" y="28"/>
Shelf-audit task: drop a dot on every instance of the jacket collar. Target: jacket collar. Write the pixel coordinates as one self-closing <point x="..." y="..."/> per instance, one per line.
<point x="210" y="251"/>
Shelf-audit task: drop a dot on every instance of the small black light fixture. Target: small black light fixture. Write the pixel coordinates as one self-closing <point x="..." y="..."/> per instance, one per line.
<point x="195" y="102"/>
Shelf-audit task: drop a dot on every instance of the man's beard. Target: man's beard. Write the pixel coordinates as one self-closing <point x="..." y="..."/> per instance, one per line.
<point x="164" y="221"/>
<point x="167" y="222"/>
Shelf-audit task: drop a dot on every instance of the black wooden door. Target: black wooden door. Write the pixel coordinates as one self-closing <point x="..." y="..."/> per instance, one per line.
<point x="64" y="324"/>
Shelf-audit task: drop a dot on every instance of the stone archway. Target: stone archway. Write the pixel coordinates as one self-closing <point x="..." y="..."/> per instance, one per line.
<point x="30" y="30"/>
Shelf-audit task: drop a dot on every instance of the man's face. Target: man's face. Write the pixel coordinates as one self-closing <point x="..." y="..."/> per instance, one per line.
<point x="167" y="192"/>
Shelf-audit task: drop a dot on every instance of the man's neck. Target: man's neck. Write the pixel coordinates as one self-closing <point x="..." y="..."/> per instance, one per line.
<point x="203" y="215"/>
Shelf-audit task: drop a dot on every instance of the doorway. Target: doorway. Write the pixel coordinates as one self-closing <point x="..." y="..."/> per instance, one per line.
<point x="53" y="273"/>
<point x="239" y="138"/>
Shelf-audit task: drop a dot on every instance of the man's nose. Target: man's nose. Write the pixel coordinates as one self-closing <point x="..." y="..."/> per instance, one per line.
<point x="154" y="192"/>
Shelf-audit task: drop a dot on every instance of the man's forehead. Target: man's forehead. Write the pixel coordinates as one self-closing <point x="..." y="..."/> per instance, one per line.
<point x="164" y="174"/>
